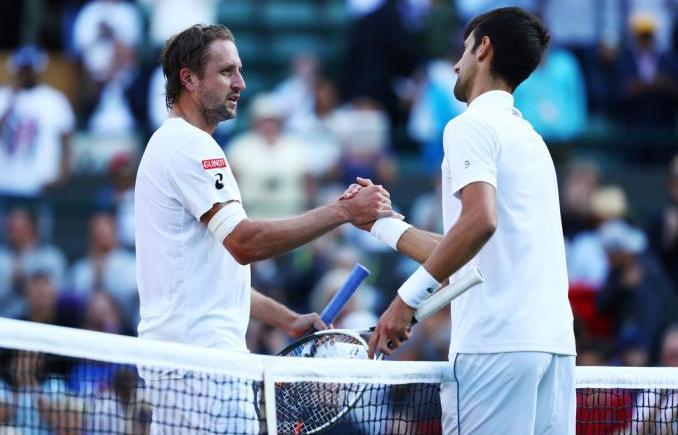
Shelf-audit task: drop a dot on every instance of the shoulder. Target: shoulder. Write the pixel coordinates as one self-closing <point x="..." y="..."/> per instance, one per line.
<point x="466" y="124"/>
<point x="468" y="120"/>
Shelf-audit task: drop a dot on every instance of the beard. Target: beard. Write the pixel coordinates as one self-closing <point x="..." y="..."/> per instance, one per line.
<point x="214" y="108"/>
<point x="461" y="88"/>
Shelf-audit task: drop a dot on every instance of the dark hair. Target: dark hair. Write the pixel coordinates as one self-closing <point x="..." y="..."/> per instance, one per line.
<point x="188" y="49"/>
<point x="518" y="40"/>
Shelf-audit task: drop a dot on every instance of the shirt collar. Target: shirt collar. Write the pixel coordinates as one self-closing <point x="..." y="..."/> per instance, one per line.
<point x="499" y="99"/>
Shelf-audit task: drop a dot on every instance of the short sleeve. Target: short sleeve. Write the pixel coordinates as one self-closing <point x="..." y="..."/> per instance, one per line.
<point x="201" y="176"/>
<point x="66" y="119"/>
<point x="471" y="153"/>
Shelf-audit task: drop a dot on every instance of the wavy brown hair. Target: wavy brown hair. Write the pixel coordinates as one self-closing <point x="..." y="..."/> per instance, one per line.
<point x="188" y="49"/>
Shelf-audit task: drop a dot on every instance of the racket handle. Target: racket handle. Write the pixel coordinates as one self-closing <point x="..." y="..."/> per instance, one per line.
<point x="443" y="297"/>
<point x="332" y="310"/>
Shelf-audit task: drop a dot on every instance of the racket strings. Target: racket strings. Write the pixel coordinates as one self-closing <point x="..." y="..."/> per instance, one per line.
<point x="307" y="407"/>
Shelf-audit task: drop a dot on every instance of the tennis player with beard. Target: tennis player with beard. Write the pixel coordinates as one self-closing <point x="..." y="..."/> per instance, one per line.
<point x="194" y="241"/>
<point x="512" y="351"/>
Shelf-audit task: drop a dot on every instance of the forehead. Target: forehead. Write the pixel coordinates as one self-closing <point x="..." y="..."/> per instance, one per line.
<point x="223" y="53"/>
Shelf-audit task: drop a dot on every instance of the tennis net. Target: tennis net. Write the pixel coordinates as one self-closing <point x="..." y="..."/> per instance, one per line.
<point x="57" y="380"/>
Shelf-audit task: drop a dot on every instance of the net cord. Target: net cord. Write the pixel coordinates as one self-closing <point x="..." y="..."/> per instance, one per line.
<point x="17" y="334"/>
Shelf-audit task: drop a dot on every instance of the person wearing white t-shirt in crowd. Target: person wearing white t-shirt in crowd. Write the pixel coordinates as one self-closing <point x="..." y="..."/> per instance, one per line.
<point x="194" y="240"/>
<point x="36" y="125"/>
<point x="512" y="352"/>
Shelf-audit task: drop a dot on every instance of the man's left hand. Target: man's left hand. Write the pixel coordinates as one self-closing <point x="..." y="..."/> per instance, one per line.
<point x="303" y="323"/>
<point x="392" y="329"/>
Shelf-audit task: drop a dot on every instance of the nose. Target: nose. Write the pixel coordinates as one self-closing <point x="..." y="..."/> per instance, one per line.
<point x="239" y="83"/>
<point x="456" y="68"/>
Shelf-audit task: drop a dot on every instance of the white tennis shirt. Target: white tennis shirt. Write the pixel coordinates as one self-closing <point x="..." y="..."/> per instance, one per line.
<point x="523" y="303"/>
<point x="191" y="289"/>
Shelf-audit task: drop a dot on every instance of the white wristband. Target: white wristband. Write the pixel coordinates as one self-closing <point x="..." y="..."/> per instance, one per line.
<point x="389" y="230"/>
<point x="419" y="286"/>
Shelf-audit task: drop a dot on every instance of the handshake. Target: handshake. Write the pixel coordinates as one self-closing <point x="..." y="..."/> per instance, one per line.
<point x="363" y="203"/>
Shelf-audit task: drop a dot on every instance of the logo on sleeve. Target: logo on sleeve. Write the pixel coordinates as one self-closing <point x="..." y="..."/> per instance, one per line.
<point x="218" y="184"/>
<point x="466" y="164"/>
<point x="213" y="163"/>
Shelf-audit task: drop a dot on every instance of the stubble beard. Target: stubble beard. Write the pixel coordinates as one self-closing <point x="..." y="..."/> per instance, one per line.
<point x="215" y="111"/>
<point x="461" y="89"/>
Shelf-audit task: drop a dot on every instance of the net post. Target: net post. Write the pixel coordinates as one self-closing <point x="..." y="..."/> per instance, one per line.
<point x="269" y="398"/>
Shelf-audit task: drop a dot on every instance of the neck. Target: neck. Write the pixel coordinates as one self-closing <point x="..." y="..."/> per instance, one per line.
<point x="24" y="245"/>
<point x="42" y="315"/>
<point x="486" y="85"/>
<point x="186" y="109"/>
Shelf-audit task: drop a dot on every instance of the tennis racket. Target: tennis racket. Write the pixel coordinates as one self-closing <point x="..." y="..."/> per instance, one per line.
<point x="328" y="315"/>
<point x="311" y="407"/>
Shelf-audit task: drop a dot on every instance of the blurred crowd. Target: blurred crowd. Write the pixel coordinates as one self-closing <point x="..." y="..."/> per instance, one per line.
<point x="612" y="68"/>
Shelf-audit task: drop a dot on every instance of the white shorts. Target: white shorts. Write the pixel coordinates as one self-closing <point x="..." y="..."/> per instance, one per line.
<point x="202" y="403"/>
<point x="521" y="393"/>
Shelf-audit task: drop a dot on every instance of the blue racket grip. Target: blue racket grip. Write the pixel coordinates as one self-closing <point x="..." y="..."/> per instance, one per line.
<point x="357" y="276"/>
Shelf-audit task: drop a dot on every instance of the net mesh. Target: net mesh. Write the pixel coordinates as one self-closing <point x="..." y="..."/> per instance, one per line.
<point x="63" y="381"/>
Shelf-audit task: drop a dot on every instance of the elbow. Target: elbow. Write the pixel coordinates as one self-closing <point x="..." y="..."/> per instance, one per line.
<point x="241" y="253"/>
<point x="241" y="245"/>
<point x="486" y="227"/>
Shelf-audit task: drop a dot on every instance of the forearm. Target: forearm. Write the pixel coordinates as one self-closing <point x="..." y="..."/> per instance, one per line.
<point x="270" y="311"/>
<point x="254" y="240"/>
<point x="418" y="244"/>
<point x="459" y="245"/>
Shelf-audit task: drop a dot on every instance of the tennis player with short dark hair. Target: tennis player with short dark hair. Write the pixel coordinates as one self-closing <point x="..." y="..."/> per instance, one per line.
<point x="512" y="345"/>
<point x="194" y="241"/>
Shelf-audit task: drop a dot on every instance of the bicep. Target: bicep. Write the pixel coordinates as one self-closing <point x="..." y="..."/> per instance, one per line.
<point x="479" y="201"/>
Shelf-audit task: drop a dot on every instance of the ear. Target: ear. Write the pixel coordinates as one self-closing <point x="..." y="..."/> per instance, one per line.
<point x="484" y="48"/>
<point x="187" y="78"/>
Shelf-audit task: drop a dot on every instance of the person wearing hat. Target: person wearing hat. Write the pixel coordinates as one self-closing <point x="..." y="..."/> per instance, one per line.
<point x="270" y="165"/>
<point x="648" y="85"/>
<point x="36" y="124"/>
<point x="637" y="292"/>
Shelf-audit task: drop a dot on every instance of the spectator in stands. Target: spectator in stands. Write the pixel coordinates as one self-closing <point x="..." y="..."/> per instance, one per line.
<point x="121" y="409"/>
<point x="106" y="34"/>
<point x="103" y="315"/>
<point x="117" y="196"/>
<point x="32" y="392"/>
<point x="270" y="165"/>
<point x="553" y="98"/>
<point x="637" y="292"/>
<point x="107" y="267"/>
<point x="433" y="106"/>
<point x="317" y="126"/>
<point x="587" y="261"/>
<point x="648" y="83"/>
<point x="581" y="180"/>
<point x="665" y="229"/>
<point x="655" y="411"/>
<point x="41" y="298"/>
<point x="364" y="135"/>
<point x="23" y="257"/>
<point x="591" y="31"/>
<point x="36" y="124"/>
<point x="295" y="94"/>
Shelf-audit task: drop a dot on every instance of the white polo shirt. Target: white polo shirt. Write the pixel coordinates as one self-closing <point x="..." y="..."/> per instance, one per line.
<point x="191" y="289"/>
<point x="523" y="303"/>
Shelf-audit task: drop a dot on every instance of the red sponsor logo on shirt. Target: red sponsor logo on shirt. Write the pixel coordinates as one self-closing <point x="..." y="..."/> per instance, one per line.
<point x="213" y="163"/>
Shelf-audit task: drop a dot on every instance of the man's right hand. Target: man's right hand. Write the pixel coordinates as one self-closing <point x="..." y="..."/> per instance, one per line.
<point x="354" y="189"/>
<point x="366" y="204"/>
